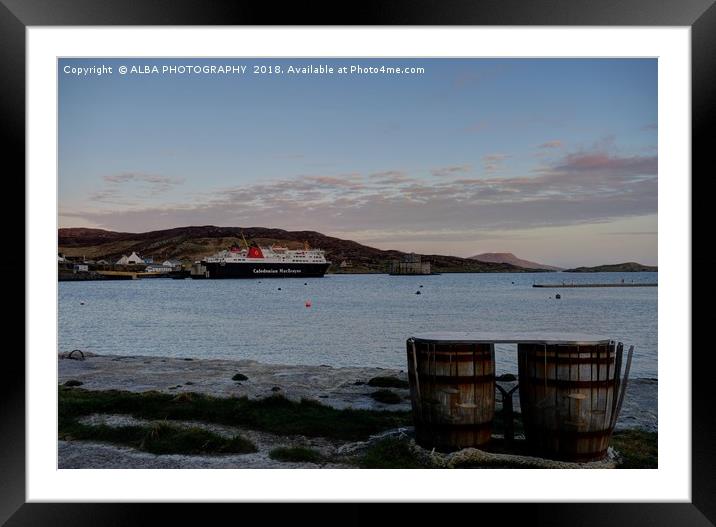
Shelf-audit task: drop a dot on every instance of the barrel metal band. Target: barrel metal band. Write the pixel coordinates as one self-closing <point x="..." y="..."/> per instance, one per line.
<point x="456" y="427"/>
<point x="551" y="359"/>
<point x="456" y="379"/>
<point x="457" y="356"/>
<point x="567" y="383"/>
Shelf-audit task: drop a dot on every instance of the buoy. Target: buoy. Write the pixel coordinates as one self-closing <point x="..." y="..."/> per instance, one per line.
<point x="279" y="289"/>
<point x="305" y="283"/>
<point x="82" y="303"/>
<point x="308" y="303"/>
<point x="417" y="292"/>
<point x="558" y="296"/>
<point x="421" y="285"/>
<point x="513" y="282"/>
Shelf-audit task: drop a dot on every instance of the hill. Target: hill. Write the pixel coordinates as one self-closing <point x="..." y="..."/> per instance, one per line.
<point x="511" y="259"/>
<point x="192" y="243"/>
<point x="626" y="267"/>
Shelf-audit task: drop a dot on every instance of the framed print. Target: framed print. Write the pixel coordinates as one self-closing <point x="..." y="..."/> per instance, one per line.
<point x="355" y="261"/>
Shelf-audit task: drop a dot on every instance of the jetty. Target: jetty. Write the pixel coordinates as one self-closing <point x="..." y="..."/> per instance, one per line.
<point x="624" y="284"/>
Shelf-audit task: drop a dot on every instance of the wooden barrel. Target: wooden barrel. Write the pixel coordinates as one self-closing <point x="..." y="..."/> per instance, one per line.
<point x="452" y="390"/>
<point x="568" y="398"/>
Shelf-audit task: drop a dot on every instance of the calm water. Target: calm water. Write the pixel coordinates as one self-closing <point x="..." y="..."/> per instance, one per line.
<point x="355" y="320"/>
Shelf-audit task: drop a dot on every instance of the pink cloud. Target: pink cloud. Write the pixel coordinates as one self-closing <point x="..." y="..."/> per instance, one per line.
<point x="390" y="176"/>
<point x="601" y="162"/>
<point x="450" y="170"/>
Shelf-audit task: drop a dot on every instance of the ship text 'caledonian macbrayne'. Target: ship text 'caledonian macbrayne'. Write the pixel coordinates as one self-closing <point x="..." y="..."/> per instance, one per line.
<point x="262" y="262"/>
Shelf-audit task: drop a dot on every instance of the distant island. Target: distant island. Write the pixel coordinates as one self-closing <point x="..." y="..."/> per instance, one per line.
<point x="511" y="259"/>
<point x="188" y="244"/>
<point x="626" y="267"/>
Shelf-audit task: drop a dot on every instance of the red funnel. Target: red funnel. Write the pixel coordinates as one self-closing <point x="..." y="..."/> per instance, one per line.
<point x="255" y="252"/>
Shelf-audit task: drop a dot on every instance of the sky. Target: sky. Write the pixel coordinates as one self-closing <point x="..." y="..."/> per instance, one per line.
<point x="554" y="160"/>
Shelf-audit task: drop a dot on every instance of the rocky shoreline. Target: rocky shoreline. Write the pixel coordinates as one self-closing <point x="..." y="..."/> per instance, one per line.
<point x="339" y="388"/>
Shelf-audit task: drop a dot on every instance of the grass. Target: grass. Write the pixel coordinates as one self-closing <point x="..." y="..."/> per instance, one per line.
<point x="296" y="454"/>
<point x="638" y="448"/>
<point x="239" y="377"/>
<point x="389" y="453"/>
<point x="274" y="414"/>
<point x="388" y="382"/>
<point x="386" y="396"/>
<point x="157" y="439"/>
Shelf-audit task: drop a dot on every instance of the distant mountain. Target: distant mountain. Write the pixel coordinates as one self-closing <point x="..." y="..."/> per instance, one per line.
<point x="511" y="259"/>
<point x="192" y="243"/>
<point x="627" y="267"/>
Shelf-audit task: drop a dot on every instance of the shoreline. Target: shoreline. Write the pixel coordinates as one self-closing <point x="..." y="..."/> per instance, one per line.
<point x="337" y="387"/>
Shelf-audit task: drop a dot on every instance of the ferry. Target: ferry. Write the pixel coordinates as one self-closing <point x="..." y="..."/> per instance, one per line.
<point x="254" y="261"/>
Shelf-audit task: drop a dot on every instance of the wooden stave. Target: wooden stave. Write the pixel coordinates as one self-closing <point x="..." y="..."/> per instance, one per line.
<point x="546" y="429"/>
<point x="436" y="424"/>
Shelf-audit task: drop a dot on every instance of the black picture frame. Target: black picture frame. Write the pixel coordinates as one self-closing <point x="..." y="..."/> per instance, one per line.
<point x="699" y="15"/>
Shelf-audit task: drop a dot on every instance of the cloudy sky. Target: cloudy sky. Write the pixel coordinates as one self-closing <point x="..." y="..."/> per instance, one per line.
<point x="554" y="160"/>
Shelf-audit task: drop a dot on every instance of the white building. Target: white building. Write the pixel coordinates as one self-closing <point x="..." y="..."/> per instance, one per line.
<point x="133" y="258"/>
<point x="172" y="263"/>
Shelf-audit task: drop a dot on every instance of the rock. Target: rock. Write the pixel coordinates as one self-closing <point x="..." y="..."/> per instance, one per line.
<point x="388" y="382"/>
<point x="386" y="397"/>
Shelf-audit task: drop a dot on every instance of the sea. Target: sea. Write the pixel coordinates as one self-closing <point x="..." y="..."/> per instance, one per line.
<point x="350" y="320"/>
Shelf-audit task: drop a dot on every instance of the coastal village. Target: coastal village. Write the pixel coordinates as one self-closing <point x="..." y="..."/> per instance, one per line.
<point x="128" y="267"/>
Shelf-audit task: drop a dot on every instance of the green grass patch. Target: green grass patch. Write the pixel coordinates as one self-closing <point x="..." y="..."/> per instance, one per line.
<point x="274" y="414"/>
<point x="638" y="448"/>
<point x="160" y="438"/>
<point x="389" y="453"/>
<point x="386" y="396"/>
<point x="296" y="454"/>
<point x="239" y="377"/>
<point x="388" y="382"/>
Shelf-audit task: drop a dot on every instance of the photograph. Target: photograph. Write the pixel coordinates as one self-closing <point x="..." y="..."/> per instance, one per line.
<point x="357" y="262"/>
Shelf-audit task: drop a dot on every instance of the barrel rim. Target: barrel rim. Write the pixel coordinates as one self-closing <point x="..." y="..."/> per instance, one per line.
<point x="467" y="337"/>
